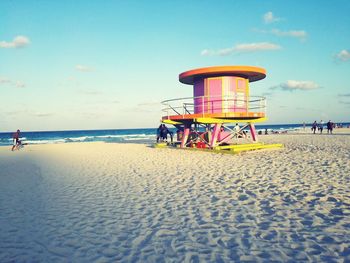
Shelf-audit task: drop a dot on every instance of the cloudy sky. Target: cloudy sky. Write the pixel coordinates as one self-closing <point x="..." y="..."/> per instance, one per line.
<point x="107" y="64"/>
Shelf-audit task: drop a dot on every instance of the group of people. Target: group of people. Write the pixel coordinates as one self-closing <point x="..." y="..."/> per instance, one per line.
<point x="162" y="133"/>
<point x="319" y="126"/>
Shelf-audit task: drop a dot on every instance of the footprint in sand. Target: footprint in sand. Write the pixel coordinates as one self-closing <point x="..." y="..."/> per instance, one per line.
<point x="243" y="197"/>
<point x="337" y="211"/>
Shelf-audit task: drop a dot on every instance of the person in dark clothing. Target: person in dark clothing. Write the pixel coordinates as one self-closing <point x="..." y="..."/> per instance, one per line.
<point x="158" y="132"/>
<point x="320" y="126"/>
<point x="164" y="131"/>
<point x="16" y="141"/>
<point x="314" y="126"/>
<point x="329" y="127"/>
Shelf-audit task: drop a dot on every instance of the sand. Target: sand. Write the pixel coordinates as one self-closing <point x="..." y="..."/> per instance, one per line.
<point x="106" y="202"/>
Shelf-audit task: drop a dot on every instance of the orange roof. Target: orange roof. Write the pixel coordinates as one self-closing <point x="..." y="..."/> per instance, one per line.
<point x="248" y="72"/>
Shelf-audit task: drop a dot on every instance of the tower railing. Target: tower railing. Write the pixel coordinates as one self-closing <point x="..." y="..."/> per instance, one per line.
<point x="213" y="104"/>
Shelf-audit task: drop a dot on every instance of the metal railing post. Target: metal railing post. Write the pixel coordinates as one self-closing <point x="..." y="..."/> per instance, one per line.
<point x="183" y="110"/>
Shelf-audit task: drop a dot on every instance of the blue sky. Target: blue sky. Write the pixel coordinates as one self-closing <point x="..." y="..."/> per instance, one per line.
<point x="108" y="64"/>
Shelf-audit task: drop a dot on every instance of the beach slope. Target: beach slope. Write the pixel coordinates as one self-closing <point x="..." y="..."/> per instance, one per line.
<point x="107" y="202"/>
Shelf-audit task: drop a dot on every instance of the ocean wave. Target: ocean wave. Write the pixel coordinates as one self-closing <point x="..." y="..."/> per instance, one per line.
<point x="103" y="138"/>
<point x="44" y="141"/>
<point x="140" y="139"/>
<point x="21" y="139"/>
<point x="122" y="136"/>
<point x="56" y="138"/>
<point x="79" y="139"/>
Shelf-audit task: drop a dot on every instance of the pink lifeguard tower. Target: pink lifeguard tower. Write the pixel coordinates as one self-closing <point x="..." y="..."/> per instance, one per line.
<point x="220" y="96"/>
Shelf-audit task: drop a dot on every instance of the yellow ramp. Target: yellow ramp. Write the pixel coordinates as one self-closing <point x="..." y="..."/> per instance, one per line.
<point x="248" y="147"/>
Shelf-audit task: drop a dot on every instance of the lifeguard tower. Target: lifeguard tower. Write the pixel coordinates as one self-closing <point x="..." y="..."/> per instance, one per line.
<point x="220" y="96"/>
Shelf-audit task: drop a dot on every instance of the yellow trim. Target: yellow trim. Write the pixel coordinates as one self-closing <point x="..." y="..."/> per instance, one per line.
<point x="247" y="94"/>
<point x="212" y="120"/>
<point x="170" y="122"/>
<point x="217" y="120"/>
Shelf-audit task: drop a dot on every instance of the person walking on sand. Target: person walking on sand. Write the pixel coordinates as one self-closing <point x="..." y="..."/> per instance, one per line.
<point x="15" y="138"/>
<point x="314" y="126"/>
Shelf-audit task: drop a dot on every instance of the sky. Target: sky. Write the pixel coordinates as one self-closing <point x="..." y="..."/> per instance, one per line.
<point x="108" y="64"/>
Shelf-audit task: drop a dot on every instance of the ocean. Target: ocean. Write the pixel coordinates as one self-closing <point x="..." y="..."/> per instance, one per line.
<point x="147" y="135"/>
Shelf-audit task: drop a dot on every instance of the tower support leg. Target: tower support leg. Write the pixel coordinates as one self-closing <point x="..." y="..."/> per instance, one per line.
<point x="253" y="132"/>
<point x="215" y="134"/>
<point x="185" y="136"/>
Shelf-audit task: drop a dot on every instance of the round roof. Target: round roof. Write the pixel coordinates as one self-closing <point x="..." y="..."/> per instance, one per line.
<point x="247" y="72"/>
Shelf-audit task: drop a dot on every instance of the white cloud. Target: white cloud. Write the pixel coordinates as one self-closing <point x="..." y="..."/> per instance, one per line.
<point x="19" y="84"/>
<point x="14" y="112"/>
<point x="344" y="95"/>
<point x="205" y="52"/>
<point x="291" y="85"/>
<point x="241" y="48"/>
<point x="300" y="34"/>
<point x="83" y="68"/>
<point x="270" y="18"/>
<point x="17" y="42"/>
<point x="13" y="83"/>
<point x="43" y="114"/>
<point x="4" y="80"/>
<point x="256" y="47"/>
<point x="343" y="55"/>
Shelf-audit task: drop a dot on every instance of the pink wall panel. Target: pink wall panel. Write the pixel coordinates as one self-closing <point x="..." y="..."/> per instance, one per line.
<point x="215" y="95"/>
<point x="198" y="91"/>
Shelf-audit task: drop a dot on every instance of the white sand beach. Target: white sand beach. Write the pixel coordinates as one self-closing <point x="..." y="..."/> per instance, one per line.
<point x="106" y="202"/>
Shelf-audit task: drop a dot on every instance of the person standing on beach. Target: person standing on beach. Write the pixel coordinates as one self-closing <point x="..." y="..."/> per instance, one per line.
<point x="314" y="126"/>
<point x="164" y="133"/>
<point x="320" y="127"/>
<point x="329" y="127"/>
<point x="158" y="132"/>
<point x="237" y="128"/>
<point x="15" y="138"/>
